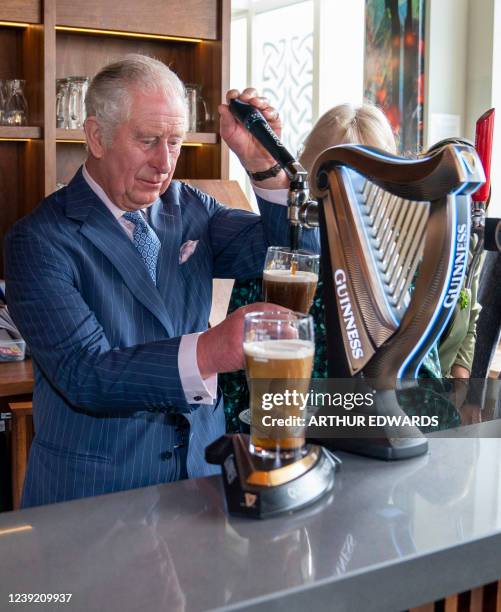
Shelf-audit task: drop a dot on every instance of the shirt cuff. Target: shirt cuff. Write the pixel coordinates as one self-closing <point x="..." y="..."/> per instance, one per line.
<point x="197" y="390"/>
<point x="275" y="196"/>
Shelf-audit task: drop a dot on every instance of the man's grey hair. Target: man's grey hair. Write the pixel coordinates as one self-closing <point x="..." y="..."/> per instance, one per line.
<point x="110" y="92"/>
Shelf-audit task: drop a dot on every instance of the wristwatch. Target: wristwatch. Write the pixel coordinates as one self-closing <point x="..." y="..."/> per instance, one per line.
<point x="265" y="174"/>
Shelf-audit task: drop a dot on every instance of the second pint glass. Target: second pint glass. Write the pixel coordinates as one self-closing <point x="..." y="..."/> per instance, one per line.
<point x="290" y="278"/>
<point x="278" y="348"/>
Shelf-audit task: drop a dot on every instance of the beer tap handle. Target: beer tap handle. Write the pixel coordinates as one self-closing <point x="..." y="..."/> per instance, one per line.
<point x="483" y="145"/>
<point x="252" y="119"/>
<point x="298" y="199"/>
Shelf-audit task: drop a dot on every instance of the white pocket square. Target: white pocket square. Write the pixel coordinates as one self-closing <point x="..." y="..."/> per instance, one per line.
<point x="186" y="251"/>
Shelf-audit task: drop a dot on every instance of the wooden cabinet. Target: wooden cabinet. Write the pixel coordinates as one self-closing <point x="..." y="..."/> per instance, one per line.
<point x="44" y="40"/>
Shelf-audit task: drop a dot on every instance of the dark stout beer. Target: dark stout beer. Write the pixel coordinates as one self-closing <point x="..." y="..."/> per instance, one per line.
<point x="294" y="291"/>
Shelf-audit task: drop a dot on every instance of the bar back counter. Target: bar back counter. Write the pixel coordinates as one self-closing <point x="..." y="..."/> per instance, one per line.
<point x="391" y="536"/>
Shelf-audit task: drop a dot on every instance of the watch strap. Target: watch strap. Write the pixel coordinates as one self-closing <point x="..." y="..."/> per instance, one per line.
<point x="265" y="174"/>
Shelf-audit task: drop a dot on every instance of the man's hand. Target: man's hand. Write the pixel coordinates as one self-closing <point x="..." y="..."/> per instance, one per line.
<point x="220" y="348"/>
<point x="250" y="152"/>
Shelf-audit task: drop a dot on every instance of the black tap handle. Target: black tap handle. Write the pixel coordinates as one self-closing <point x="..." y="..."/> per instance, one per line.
<point x="252" y="119"/>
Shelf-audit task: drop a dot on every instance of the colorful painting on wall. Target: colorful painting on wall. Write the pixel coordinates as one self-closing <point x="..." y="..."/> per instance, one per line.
<point x="394" y="66"/>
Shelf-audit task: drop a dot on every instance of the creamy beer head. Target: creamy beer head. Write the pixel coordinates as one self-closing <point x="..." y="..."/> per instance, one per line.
<point x="287" y="276"/>
<point x="292" y="290"/>
<point x="285" y="358"/>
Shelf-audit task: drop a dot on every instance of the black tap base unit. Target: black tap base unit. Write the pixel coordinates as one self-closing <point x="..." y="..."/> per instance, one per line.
<point x="408" y="444"/>
<point x="387" y="449"/>
<point x="254" y="489"/>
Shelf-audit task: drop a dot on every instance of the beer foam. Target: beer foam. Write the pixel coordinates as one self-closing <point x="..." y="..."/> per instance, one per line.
<point x="286" y="276"/>
<point x="279" y="349"/>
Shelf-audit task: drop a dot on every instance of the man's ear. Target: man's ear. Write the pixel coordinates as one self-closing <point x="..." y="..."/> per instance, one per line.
<point x="94" y="137"/>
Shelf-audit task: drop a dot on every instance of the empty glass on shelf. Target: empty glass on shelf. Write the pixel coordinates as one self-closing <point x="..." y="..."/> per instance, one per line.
<point x="70" y="102"/>
<point x="2" y="101"/>
<point x="62" y="89"/>
<point x="16" y="107"/>
<point x="198" y="114"/>
<point x="76" y="102"/>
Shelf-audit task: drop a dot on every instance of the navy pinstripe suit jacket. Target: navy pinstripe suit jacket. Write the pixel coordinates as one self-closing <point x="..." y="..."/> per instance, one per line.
<point x="105" y="340"/>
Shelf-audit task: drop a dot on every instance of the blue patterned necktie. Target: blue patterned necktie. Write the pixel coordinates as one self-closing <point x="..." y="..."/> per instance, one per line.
<point x="146" y="242"/>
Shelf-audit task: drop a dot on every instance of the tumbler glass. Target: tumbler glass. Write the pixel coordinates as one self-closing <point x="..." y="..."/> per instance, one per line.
<point x="3" y="101"/>
<point x="62" y="111"/>
<point x="16" y="107"/>
<point x="198" y="114"/>
<point x="76" y="101"/>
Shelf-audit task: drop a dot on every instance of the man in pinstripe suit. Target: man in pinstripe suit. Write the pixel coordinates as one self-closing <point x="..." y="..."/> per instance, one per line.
<point x="116" y="320"/>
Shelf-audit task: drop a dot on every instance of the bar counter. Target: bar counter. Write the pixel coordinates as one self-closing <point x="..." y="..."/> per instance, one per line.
<point x="389" y="537"/>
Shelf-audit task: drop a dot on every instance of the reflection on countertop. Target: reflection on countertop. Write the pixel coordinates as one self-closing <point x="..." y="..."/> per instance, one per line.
<point x="174" y="547"/>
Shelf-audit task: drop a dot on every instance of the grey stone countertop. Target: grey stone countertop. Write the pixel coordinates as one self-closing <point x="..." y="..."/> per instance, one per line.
<point x="390" y="536"/>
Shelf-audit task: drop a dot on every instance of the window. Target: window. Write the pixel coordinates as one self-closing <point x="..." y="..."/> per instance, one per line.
<point x="304" y="55"/>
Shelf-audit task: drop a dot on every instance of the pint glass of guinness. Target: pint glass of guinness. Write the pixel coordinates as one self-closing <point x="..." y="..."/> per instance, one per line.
<point x="290" y="278"/>
<point x="278" y="348"/>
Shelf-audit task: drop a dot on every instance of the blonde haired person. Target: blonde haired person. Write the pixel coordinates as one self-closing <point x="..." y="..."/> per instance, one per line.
<point x="348" y="124"/>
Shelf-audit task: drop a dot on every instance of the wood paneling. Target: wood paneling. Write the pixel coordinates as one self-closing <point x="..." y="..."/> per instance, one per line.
<point x="11" y="40"/>
<point x="16" y="378"/>
<point x="482" y="599"/>
<point x="22" y="436"/>
<point x="228" y="193"/>
<point x="11" y="158"/>
<point x="48" y="77"/>
<point x="69" y="158"/>
<point x="21" y="10"/>
<point x="192" y="18"/>
<point x="199" y="162"/>
<point x="33" y="183"/>
<point x="7" y="131"/>
<point x="191" y="137"/>
<point x="85" y="55"/>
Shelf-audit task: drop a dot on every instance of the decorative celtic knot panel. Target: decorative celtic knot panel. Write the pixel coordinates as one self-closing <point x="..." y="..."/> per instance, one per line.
<point x="285" y="69"/>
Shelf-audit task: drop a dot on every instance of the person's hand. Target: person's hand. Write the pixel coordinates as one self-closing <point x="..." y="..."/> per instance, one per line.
<point x="250" y="152"/>
<point x="459" y="371"/>
<point x="220" y="348"/>
<point x="470" y="413"/>
<point x="460" y="380"/>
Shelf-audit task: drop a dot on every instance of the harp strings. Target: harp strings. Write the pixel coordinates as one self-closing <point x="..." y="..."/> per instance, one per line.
<point x="397" y="229"/>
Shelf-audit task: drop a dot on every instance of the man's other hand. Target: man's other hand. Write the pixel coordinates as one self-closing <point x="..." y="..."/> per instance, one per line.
<point x="220" y="348"/>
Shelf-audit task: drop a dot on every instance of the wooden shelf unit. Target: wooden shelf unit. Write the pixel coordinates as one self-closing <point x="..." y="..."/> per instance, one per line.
<point x="41" y="40"/>
<point x="25" y="132"/>
<point x="78" y="136"/>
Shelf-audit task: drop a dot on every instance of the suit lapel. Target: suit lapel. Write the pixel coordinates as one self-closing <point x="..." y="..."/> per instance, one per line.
<point x="100" y="227"/>
<point x="165" y="219"/>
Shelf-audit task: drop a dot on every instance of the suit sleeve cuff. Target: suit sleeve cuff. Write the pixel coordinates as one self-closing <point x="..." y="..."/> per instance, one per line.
<point x="197" y="390"/>
<point x="275" y="196"/>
